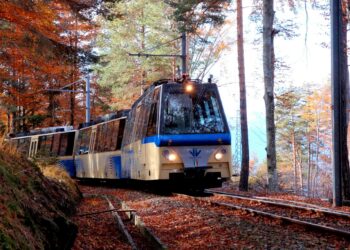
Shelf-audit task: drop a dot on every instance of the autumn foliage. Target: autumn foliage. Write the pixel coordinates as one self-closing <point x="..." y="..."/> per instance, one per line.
<point x="44" y="45"/>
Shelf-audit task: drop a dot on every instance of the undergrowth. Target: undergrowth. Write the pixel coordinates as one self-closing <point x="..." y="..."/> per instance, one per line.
<point x="34" y="209"/>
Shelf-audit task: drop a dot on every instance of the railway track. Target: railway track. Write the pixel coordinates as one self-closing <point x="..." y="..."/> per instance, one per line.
<point x="315" y="217"/>
<point x="188" y="222"/>
<point x="127" y="224"/>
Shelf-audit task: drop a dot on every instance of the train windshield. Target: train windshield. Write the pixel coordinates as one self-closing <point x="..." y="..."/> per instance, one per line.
<point x="198" y="112"/>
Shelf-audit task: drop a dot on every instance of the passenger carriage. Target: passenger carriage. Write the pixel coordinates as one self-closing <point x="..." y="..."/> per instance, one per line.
<point x="53" y="141"/>
<point x="98" y="148"/>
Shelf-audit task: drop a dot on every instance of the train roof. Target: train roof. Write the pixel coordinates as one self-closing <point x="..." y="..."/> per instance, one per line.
<point x="169" y="81"/>
<point x="105" y="118"/>
<point x="42" y="131"/>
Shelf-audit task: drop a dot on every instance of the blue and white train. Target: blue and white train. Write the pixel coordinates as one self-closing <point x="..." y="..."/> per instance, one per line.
<point x="53" y="141"/>
<point x="174" y="131"/>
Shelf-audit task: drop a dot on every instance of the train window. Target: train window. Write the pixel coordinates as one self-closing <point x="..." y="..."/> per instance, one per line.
<point x="23" y="145"/>
<point x="152" y="123"/>
<point x="142" y="121"/>
<point x="105" y="137"/>
<point x="137" y="124"/>
<point x="44" y="145"/>
<point x="56" y="144"/>
<point x="108" y="136"/>
<point x="83" y="141"/>
<point x="198" y="112"/>
<point x="70" y="143"/>
<point x="66" y="144"/>
<point x="114" y="135"/>
<point x="120" y="133"/>
<point x="41" y="143"/>
<point x="178" y="115"/>
<point x="63" y="145"/>
<point x="99" y="138"/>
<point x="129" y="125"/>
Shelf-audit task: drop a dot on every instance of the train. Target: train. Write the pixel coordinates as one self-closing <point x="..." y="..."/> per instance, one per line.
<point x="53" y="141"/>
<point x="175" y="132"/>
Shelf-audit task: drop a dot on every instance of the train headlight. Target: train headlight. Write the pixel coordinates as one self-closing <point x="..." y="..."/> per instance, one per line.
<point x="189" y="88"/>
<point x="220" y="154"/>
<point x="170" y="156"/>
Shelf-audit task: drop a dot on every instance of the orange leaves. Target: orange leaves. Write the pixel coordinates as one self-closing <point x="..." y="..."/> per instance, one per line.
<point x="41" y="43"/>
<point x="38" y="20"/>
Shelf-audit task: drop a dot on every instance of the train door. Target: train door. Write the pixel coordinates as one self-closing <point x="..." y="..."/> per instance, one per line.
<point x="92" y="140"/>
<point x="33" y="147"/>
<point x="92" y="156"/>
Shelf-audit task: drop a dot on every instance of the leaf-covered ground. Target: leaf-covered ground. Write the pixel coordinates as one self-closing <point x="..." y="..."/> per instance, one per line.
<point x="97" y="231"/>
<point x="232" y="187"/>
<point x="182" y="223"/>
<point x="34" y="209"/>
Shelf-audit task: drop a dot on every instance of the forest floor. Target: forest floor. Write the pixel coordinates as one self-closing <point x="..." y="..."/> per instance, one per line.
<point x="232" y="187"/>
<point x="34" y="208"/>
<point x="180" y="222"/>
<point x="39" y="209"/>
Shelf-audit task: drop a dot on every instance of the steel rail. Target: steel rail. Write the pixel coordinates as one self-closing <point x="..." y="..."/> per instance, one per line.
<point x="120" y="224"/>
<point x="271" y="215"/>
<point x="282" y="204"/>
<point x="105" y="211"/>
<point x="145" y="231"/>
<point x="284" y="218"/>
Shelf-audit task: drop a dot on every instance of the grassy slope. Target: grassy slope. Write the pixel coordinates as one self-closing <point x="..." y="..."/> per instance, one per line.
<point x="33" y="208"/>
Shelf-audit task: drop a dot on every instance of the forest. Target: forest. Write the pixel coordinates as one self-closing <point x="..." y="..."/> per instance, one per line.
<point x="54" y="45"/>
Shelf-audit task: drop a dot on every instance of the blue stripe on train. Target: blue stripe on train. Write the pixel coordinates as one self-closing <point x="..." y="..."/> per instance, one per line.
<point x="189" y="139"/>
<point x="117" y="164"/>
<point x="69" y="166"/>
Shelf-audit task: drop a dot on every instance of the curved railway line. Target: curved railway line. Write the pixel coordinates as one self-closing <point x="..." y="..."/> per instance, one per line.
<point x="129" y="227"/>
<point x="181" y="221"/>
<point x="303" y="214"/>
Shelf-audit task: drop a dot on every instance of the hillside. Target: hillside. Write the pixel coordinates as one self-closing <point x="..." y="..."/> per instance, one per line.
<point x="34" y="208"/>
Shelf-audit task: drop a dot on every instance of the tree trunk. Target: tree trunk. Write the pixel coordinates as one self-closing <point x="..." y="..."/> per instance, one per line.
<point x="345" y="171"/>
<point x="294" y="163"/>
<point x="308" y="165"/>
<point x="8" y="121"/>
<point x="300" y="169"/>
<point x="243" y="182"/>
<point x="317" y="152"/>
<point x="269" y="68"/>
<point x="143" y="46"/>
<point x="74" y="73"/>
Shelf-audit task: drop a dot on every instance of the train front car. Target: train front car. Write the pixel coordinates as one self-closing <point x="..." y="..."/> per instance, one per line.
<point x="186" y="138"/>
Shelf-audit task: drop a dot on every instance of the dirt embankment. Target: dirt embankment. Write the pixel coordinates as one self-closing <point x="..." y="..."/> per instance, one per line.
<point x="34" y="209"/>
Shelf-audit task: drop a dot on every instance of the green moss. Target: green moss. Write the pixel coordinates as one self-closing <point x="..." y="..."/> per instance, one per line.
<point x="6" y="242"/>
<point x="35" y="185"/>
<point x="30" y="203"/>
<point x="10" y="178"/>
<point x="13" y="206"/>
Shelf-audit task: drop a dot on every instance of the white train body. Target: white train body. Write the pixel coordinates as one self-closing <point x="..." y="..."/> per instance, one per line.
<point x="172" y="132"/>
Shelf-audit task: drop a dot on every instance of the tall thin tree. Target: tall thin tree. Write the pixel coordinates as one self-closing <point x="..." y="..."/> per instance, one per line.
<point x="345" y="103"/>
<point x="243" y="182"/>
<point x="269" y="68"/>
